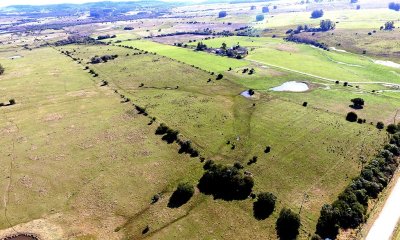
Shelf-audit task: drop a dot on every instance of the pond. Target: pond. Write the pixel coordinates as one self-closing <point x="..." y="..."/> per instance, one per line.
<point x="291" y="86"/>
<point x="246" y="94"/>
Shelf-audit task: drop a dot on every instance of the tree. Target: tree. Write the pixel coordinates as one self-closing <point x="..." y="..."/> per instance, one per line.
<point x="1" y="69"/>
<point x="327" y="226"/>
<point x="12" y="101"/>
<point x="327" y="25"/>
<point x="201" y="46"/>
<point x="259" y="17"/>
<point x="317" y="13"/>
<point x="182" y="195"/>
<point x="351" y="117"/>
<point x="219" y="76"/>
<point x="222" y="14"/>
<point x="265" y="9"/>
<point x="389" y="25"/>
<point x="380" y="125"/>
<point x="288" y="224"/>
<point x="358" y="103"/>
<point x="392" y="128"/>
<point x="223" y="46"/>
<point x="264" y="206"/>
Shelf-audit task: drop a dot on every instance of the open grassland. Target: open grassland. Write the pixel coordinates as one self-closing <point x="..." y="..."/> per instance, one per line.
<point x="327" y="64"/>
<point x="73" y="155"/>
<point x="348" y="19"/>
<point x="200" y="59"/>
<point x="212" y="113"/>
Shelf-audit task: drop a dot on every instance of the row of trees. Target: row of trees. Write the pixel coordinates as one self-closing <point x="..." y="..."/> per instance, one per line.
<point x="105" y="58"/>
<point x="298" y="39"/>
<point x="350" y="209"/>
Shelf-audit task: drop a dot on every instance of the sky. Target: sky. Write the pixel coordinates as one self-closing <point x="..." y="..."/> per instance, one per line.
<point x="4" y="3"/>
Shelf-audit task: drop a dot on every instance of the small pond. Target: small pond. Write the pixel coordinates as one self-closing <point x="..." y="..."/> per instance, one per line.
<point x="291" y="86"/>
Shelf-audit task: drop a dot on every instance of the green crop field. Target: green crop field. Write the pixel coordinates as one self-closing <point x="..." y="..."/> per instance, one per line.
<point x="199" y="59"/>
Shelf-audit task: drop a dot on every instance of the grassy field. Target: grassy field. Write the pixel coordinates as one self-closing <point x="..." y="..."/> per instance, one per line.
<point x="220" y="114"/>
<point x="78" y="162"/>
<point x="76" y="184"/>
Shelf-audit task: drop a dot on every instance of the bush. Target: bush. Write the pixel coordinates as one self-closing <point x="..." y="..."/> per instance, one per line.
<point x="358" y="103"/>
<point x="225" y="182"/>
<point x="259" y="17"/>
<point x="182" y="195"/>
<point x="264" y="206"/>
<point x="380" y="125"/>
<point x="317" y="13"/>
<point x="219" y="77"/>
<point x="1" y="69"/>
<point x="12" y="101"/>
<point x="288" y="224"/>
<point x="351" y="117"/>
<point x="265" y="9"/>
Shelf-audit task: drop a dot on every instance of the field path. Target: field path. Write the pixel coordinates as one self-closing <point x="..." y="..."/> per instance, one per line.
<point x="385" y="224"/>
<point x="316" y="76"/>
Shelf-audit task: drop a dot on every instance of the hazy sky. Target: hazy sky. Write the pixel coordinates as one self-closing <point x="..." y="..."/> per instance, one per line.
<point x="41" y="2"/>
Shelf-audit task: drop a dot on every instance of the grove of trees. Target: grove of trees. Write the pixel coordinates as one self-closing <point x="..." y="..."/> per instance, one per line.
<point x="225" y="182"/>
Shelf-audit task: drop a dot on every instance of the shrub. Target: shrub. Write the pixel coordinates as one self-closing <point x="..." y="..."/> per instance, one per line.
<point x="1" y="69"/>
<point x="265" y="9"/>
<point x="267" y="149"/>
<point x="182" y="195"/>
<point x="225" y="182"/>
<point x="305" y="104"/>
<point x="264" y="206"/>
<point x="219" y="76"/>
<point x="288" y="224"/>
<point x="358" y="103"/>
<point x="380" y="125"/>
<point x="351" y="117"/>
<point x="12" y="101"/>
<point x="317" y="13"/>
